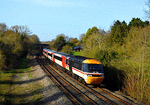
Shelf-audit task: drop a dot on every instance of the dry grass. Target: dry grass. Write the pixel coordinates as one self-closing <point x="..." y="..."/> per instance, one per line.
<point x="136" y="81"/>
<point x="138" y="88"/>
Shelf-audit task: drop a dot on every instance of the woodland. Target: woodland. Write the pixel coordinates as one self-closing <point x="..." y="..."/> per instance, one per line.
<point x="15" y="42"/>
<point x="124" y="51"/>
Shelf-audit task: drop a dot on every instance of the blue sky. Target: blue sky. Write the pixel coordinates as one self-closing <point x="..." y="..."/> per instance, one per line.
<point x="49" y="18"/>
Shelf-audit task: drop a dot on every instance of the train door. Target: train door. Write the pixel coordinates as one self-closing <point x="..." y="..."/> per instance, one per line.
<point x="63" y="61"/>
<point x="52" y="58"/>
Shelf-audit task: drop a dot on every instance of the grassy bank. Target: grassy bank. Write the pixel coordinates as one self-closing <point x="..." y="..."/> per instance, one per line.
<point x="77" y="53"/>
<point x="19" y="86"/>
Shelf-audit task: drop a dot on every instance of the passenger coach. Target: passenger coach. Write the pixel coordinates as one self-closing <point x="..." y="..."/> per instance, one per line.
<point x="86" y="70"/>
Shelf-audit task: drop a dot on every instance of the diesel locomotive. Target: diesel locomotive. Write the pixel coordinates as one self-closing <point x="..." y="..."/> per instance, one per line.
<point x="86" y="70"/>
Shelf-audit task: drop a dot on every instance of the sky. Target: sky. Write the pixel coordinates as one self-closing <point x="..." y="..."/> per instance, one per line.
<point x="49" y="18"/>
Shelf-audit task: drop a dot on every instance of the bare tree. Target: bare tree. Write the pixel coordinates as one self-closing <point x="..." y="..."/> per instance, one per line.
<point x="147" y="11"/>
<point x="21" y="29"/>
<point x="3" y="27"/>
<point x="81" y="36"/>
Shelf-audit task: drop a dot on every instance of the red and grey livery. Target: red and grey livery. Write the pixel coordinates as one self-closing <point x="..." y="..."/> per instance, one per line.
<point x="86" y="69"/>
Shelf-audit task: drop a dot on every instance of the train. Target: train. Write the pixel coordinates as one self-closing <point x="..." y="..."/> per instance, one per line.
<point x="86" y="70"/>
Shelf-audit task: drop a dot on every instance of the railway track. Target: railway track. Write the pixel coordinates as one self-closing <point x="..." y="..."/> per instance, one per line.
<point x="75" y="95"/>
<point x="93" y="95"/>
<point x="103" y="93"/>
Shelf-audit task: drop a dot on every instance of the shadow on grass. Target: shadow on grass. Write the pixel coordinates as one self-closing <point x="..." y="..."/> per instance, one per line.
<point x="21" y="82"/>
<point x="9" y="97"/>
<point x="16" y="71"/>
<point x="114" y="78"/>
<point x="52" y="99"/>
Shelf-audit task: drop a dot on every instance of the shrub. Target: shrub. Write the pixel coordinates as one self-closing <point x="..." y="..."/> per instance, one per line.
<point x="2" y="60"/>
<point x="66" y="49"/>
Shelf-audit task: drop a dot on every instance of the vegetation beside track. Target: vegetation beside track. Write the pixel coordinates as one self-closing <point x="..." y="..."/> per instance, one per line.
<point x="19" y="86"/>
<point x="77" y="53"/>
<point x="15" y="42"/>
<point x="126" y="63"/>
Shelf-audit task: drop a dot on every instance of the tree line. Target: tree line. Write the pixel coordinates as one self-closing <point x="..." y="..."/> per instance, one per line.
<point x="63" y="43"/>
<point x="15" y="42"/>
<point x="124" y="51"/>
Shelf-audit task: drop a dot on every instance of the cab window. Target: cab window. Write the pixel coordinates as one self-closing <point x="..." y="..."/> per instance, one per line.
<point x="93" y="68"/>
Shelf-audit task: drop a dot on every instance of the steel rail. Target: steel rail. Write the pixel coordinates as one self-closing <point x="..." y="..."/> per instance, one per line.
<point x="113" y="96"/>
<point x="91" y="101"/>
<point x="103" y="97"/>
<point x="71" y="97"/>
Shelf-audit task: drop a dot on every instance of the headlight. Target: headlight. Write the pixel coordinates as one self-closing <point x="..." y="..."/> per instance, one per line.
<point x="89" y="75"/>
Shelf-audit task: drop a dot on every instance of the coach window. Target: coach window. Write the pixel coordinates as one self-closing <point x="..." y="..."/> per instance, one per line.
<point x="58" y="58"/>
<point x="50" y="54"/>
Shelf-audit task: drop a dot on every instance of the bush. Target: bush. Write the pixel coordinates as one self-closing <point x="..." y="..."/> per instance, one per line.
<point x="66" y="49"/>
<point x="2" y="60"/>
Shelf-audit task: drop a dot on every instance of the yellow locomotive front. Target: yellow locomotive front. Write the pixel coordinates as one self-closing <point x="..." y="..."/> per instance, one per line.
<point x="94" y="71"/>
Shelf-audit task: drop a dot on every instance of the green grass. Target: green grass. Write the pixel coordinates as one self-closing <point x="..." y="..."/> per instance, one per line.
<point x="77" y="53"/>
<point x="15" y="87"/>
<point x="5" y="86"/>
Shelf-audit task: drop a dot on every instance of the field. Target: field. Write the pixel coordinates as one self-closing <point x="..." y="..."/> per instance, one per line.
<point x="77" y="53"/>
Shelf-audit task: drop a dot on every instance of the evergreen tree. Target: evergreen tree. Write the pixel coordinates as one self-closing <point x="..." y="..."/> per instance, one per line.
<point x="136" y="22"/>
<point x="118" y="32"/>
<point x="90" y="31"/>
